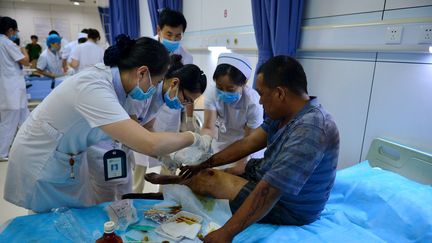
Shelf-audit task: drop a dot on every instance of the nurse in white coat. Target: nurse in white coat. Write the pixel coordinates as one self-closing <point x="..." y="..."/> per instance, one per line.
<point x="231" y="108"/>
<point x="13" y="97"/>
<point x="50" y="63"/>
<point x="87" y="54"/>
<point x="170" y="30"/>
<point x="47" y="167"/>
<point x="182" y="85"/>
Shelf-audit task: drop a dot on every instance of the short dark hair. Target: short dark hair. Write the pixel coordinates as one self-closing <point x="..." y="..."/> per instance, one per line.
<point x="192" y="78"/>
<point x="284" y="71"/>
<point x="171" y="18"/>
<point x="53" y="32"/>
<point x="7" y="23"/>
<point x="93" y="34"/>
<point x="34" y="37"/>
<point x="85" y="31"/>
<point x="237" y="77"/>
<point x="144" y="51"/>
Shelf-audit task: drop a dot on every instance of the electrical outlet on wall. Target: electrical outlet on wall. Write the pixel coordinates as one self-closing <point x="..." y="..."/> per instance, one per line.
<point x="425" y="34"/>
<point x="394" y="34"/>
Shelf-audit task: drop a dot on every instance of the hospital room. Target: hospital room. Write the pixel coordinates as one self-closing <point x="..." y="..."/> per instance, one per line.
<point x="215" y="121"/>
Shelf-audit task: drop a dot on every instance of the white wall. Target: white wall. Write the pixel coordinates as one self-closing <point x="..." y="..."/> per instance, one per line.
<point x="370" y="94"/>
<point x="72" y="18"/>
<point x="145" y="21"/>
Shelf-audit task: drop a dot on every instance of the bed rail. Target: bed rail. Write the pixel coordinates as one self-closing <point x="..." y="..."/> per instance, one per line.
<point x="408" y="162"/>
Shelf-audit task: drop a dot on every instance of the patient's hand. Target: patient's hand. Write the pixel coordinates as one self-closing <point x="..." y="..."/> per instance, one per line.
<point x="219" y="235"/>
<point x="188" y="171"/>
<point x="155" y="178"/>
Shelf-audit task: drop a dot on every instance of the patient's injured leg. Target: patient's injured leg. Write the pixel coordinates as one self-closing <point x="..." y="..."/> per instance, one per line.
<point x="163" y="179"/>
<point x="210" y="182"/>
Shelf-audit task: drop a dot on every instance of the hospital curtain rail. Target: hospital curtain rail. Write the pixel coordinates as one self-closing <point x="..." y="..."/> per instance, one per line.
<point x="277" y="27"/>
<point x="155" y="6"/>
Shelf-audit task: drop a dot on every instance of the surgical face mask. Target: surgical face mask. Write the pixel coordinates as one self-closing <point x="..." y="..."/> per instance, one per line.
<point x="138" y="94"/>
<point x="171" y="46"/>
<point x="228" y="97"/>
<point x="14" y="37"/>
<point x="54" y="49"/>
<point x="173" y="103"/>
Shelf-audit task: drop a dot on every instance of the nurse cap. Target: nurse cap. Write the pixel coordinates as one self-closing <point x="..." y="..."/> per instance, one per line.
<point x="238" y="61"/>
<point x="53" y="38"/>
<point x="82" y="35"/>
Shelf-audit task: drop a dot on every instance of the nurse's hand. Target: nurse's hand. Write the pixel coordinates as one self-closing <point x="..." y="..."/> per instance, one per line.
<point x="203" y="142"/>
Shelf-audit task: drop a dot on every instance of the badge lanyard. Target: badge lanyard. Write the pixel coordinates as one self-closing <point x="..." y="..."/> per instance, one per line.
<point x="114" y="163"/>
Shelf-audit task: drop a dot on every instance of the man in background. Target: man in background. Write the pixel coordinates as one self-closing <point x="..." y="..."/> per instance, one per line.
<point x="34" y="50"/>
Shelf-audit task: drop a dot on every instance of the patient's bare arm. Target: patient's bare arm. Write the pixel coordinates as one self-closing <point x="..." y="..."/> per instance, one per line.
<point x="255" y="207"/>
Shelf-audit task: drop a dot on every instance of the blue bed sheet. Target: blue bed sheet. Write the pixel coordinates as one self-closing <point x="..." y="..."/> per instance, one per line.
<point x="366" y="205"/>
<point x="41" y="86"/>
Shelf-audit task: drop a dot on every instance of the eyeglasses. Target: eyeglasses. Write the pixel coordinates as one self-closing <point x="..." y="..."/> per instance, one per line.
<point x="186" y="100"/>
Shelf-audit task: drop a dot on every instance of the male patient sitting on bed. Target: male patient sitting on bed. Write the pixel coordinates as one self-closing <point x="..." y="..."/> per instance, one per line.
<point x="292" y="183"/>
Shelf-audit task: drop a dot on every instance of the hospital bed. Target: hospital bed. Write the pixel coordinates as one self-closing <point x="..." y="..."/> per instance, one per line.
<point x="386" y="198"/>
<point x="40" y="87"/>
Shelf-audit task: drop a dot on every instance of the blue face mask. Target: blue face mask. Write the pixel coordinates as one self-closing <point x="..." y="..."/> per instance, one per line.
<point x="173" y="103"/>
<point x="14" y="37"/>
<point x="228" y="97"/>
<point x="138" y="94"/>
<point x="171" y="46"/>
<point x="53" y="49"/>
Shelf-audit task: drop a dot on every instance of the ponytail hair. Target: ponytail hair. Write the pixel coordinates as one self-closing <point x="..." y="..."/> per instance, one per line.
<point x="128" y="53"/>
<point x="192" y="78"/>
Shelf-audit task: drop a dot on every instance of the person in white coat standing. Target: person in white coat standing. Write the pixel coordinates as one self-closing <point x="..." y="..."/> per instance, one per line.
<point x="47" y="164"/>
<point x="13" y="97"/>
<point x="50" y="63"/>
<point x="231" y="108"/>
<point x="87" y="54"/>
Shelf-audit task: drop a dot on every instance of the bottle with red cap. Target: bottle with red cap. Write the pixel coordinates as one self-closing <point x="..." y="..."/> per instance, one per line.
<point x="109" y="236"/>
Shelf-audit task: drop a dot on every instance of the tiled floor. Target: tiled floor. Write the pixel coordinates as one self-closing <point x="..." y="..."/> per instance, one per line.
<point x="9" y="211"/>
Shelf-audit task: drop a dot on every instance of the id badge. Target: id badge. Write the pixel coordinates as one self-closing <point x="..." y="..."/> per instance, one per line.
<point x="114" y="164"/>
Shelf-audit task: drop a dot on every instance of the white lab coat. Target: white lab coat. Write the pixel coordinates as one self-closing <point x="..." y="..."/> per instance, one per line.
<point x="66" y="123"/>
<point x="167" y="120"/>
<point x="51" y="62"/>
<point x="104" y="191"/>
<point x="88" y="54"/>
<point x="67" y="50"/>
<point x="12" y="84"/>
<point x="233" y="118"/>
<point x="13" y="96"/>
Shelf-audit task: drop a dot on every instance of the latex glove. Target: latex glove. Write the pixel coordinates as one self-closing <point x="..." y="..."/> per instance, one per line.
<point x="190" y="156"/>
<point x="202" y="142"/>
<point x="169" y="162"/>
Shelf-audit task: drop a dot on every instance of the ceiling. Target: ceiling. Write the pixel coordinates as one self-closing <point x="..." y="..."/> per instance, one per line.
<point x="88" y="3"/>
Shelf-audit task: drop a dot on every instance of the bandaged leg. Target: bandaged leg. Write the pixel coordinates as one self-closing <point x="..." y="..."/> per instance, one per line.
<point x="209" y="182"/>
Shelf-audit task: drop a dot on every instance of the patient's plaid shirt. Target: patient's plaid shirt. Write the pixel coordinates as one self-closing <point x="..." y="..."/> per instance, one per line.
<point x="301" y="160"/>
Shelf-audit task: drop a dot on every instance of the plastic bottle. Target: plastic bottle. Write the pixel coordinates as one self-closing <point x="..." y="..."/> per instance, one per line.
<point x="109" y="236"/>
